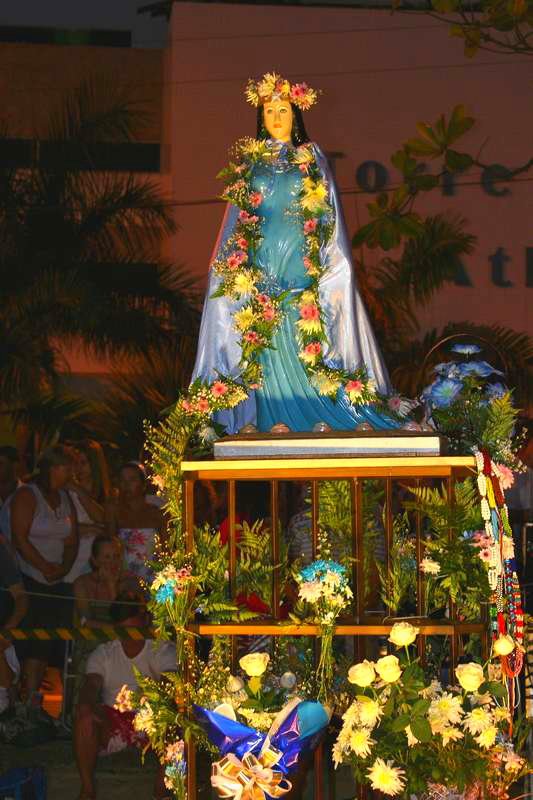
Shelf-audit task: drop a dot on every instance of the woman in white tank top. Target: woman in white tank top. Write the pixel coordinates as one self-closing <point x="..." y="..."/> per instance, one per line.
<point x="44" y="531"/>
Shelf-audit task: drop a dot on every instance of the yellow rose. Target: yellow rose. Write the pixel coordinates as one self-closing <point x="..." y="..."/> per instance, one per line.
<point x="254" y="664"/>
<point x="503" y="645"/>
<point x="470" y="676"/>
<point x="388" y="669"/>
<point x="362" y="674"/>
<point x="403" y="634"/>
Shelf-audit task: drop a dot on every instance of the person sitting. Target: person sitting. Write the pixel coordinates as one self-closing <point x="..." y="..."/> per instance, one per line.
<point x="13" y="607"/>
<point x="89" y="490"/>
<point x="99" y="728"/>
<point x="137" y="524"/>
<point x="95" y="591"/>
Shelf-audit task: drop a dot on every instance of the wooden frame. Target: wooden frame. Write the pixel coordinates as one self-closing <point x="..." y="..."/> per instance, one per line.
<point x="360" y="624"/>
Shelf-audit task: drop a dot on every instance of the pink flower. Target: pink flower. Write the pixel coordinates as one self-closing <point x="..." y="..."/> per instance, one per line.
<point x="298" y="91"/>
<point x="310" y="225"/>
<point x="303" y="168"/>
<point x="235" y="260"/>
<point x="252" y="337"/>
<point x="263" y="299"/>
<point x="255" y="386"/>
<point x="484" y="555"/>
<point x="186" y="405"/>
<point x="247" y="219"/>
<point x="269" y="313"/>
<point x="394" y="403"/>
<point x="256" y="198"/>
<point x="308" y="264"/>
<point x="355" y="386"/>
<point x="202" y="405"/>
<point x="218" y="389"/>
<point x="175" y="751"/>
<point x="313" y="349"/>
<point x="506" y="476"/>
<point x="309" y="311"/>
<point x="242" y="243"/>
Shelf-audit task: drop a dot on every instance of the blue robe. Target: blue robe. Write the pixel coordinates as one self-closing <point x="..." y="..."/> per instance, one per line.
<point x="286" y="394"/>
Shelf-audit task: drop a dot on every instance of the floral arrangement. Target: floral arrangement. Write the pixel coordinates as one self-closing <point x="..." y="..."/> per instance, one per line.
<point x="470" y="405"/>
<point x="173" y="598"/>
<point x="403" y="736"/>
<point x="323" y="587"/>
<point x="273" y="87"/>
<point x="159" y="721"/>
<point x="496" y="545"/>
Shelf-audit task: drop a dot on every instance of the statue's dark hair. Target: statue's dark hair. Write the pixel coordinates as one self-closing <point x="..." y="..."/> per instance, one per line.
<point x="298" y="135"/>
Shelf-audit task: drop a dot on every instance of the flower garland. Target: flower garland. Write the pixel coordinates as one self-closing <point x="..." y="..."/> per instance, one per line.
<point x="273" y="87"/>
<point x="502" y="575"/>
<point x="241" y="279"/>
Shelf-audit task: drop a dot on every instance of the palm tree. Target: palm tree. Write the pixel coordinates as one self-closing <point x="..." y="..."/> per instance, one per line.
<point x="79" y="250"/>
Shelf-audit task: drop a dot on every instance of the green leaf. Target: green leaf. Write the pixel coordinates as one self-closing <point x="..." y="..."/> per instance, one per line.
<point x="421" y="728"/>
<point x="457" y="162"/>
<point x="363" y="235"/>
<point x="496" y="689"/>
<point x="400" y="723"/>
<point x="420" y="707"/>
<point x="425" y="183"/>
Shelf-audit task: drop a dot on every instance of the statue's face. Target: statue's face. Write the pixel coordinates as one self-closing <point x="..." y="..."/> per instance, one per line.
<point x="277" y="115"/>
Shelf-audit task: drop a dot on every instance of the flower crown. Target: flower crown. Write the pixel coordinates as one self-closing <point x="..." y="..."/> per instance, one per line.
<point x="273" y="87"/>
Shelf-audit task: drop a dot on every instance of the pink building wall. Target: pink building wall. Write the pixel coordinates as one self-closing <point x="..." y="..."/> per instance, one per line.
<point x="380" y="74"/>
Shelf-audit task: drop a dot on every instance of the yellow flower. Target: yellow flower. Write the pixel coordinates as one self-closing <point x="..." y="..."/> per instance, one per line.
<point x="369" y="711"/>
<point x="450" y="734"/>
<point x="501" y="713"/>
<point x="478" y="720"/>
<point x="254" y="664"/>
<point x="324" y="384"/>
<point x="362" y="674"/>
<point x="388" y="669"/>
<point x="243" y="284"/>
<point x="386" y="778"/>
<point x="361" y="743"/>
<point x="470" y="676"/>
<point x="314" y="196"/>
<point x="487" y="737"/>
<point x="308" y="298"/>
<point x="444" y="710"/>
<point x="403" y="634"/>
<point x="244" y="318"/>
<point x="503" y="645"/>
<point x="411" y="738"/>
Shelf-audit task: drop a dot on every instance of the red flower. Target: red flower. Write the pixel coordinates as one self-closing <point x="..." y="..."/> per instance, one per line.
<point x="246" y="218"/>
<point x="253" y="602"/>
<point x="309" y="311"/>
<point x="242" y="243"/>
<point x="263" y="299"/>
<point x="313" y="348"/>
<point x="310" y="225"/>
<point x="354" y="386"/>
<point x="256" y="198"/>
<point x="202" y="405"/>
<point x="236" y="259"/>
<point x="218" y="389"/>
<point x="269" y="313"/>
<point x="252" y="337"/>
<point x="186" y="405"/>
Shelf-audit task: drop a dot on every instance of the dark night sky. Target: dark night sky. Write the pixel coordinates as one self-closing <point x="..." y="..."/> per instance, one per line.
<point x="115" y="14"/>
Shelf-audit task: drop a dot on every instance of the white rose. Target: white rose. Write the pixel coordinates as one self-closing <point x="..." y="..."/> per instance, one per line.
<point x="470" y="676"/>
<point x="503" y="645"/>
<point x="388" y="669"/>
<point x="362" y="674"/>
<point x="403" y="634"/>
<point x="288" y="680"/>
<point x="254" y="664"/>
<point x="234" y="684"/>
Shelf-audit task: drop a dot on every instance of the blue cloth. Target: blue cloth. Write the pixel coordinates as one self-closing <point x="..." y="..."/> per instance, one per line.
<point x="286" y="395"/>
<point x="297" y="735"/>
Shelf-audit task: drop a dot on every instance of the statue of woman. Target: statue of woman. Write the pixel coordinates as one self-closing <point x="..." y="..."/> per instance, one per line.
<point x="285" y="337"/>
